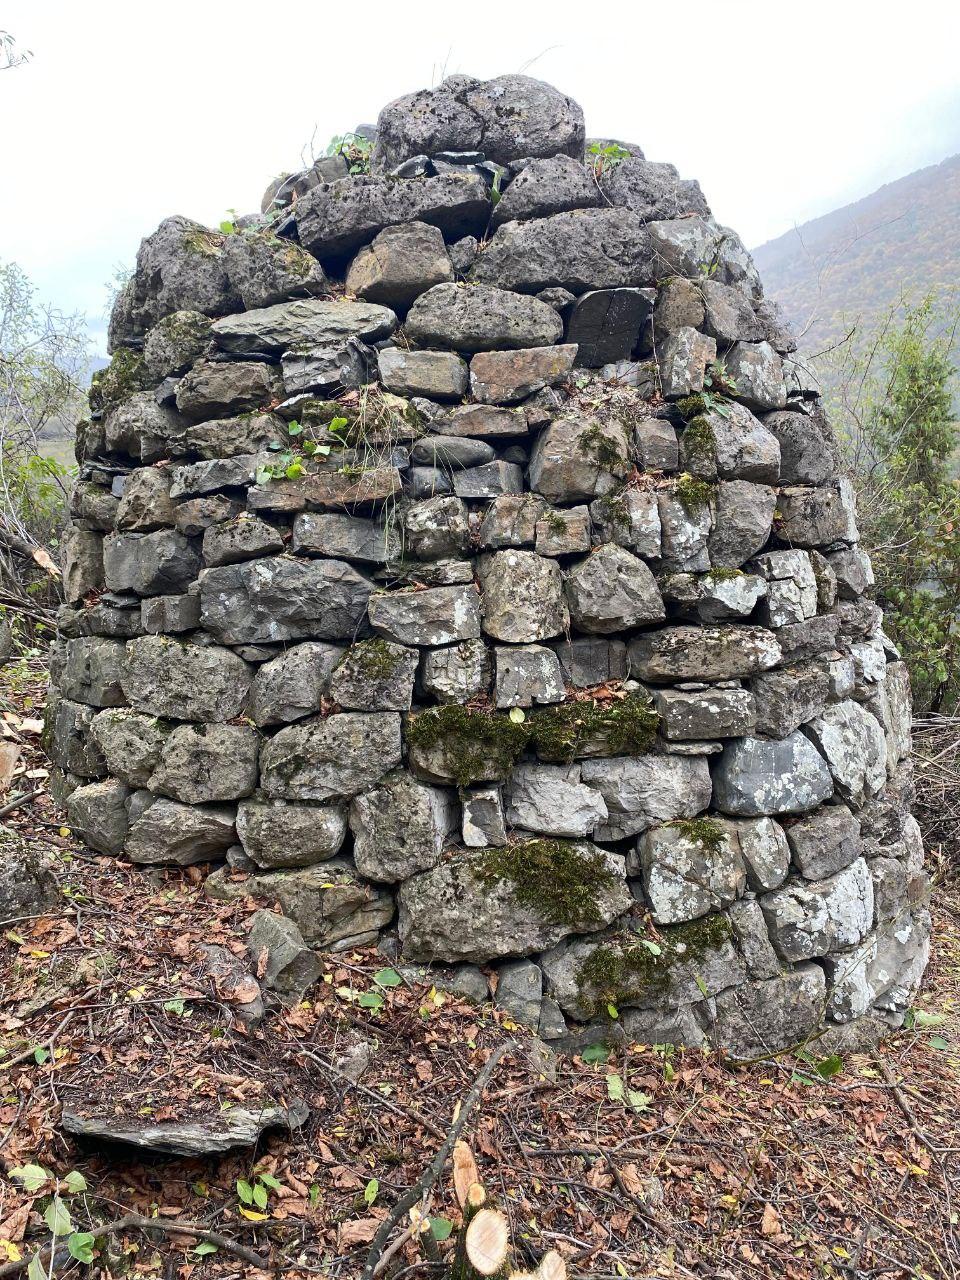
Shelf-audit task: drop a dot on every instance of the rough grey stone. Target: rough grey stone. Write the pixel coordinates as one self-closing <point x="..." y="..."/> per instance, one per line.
<point x="631" y="519"/>
<point x="442" y="375"/>
<point x="728" y="315"/>
<point x="164" y="677"/>
<point x="577" y="459"/>
<point x="207" y="762"/>
<point x="131" y="743"/>
<point x="765" y="851"/>
<point x="97" y="813"/>
<point x="682" y="358"/>
<point x="520" y="992"/>
<point x="551" y="800"/>
<point x="808" y="918"/>
<point x="563" y="533"/>
<point x="171" y="833"/>
<point x="265" y="269"/>
<point x="522" y="597"/>
<point x="586" y="661"/>
<point x="280" y="599"/>
<point x="544" y="187"/>
<point x="219" y="390"/>
<point x="852" y="742"/>
<point x="792" y="594"/>
<point x="399" y="827"/>
<point x="853" y="571"/>
<point x="329" y="369"/>
<point x="92" y="671"/>
<point x="690" y="246"/>
<point x="612" y="589"/>
<point x="162" y="615"/>
<point x="511" y="521"/>
<point x="743" y="519"/>
<point x="194" y="516"/>
<point x="276" y="946"/>
<point x="655" y="443"/>
<point x="150" y="564"/>
<point x="702" y="653"/>
<point x="483" y="422"/>
<point x="290" y="686"/>
<point x="755" y="371"/>
<point x="824" y="842"/>
<point x="454" y="912"/>
<point x="808" y="451"/>
<point x="684" y="878"/>
<point x="651" y="190"/>
<point x="811" y="517"/>
<point x="323" y="759"/>
<point x="451" y="452"/>
<point x="789" y="696"/>
<point x="713" y="598"/>
<point x="436" y="616"/>
<point x="504" y="377"/>
<point x="607" y="324"/>
<point x="175" y="342"/>
<point x="457" y="674"/>
<point x="146" y="503"/>
<point x="67" y="739"/>
<point x="483" y="818"/>
<point x="481" y="318"/>
<point x="525" y="675"/>
<point x="277" y="833"/>
<point x="713" y="713"/>
<point x="303" y="323"/>
<point x="402" y="262"/>
<point x="684" y="532"/>
<point x="581" y="250"/>
<point x="344" y="537"/>
<point x="764" y="1018"/>
<point x="489" y="480"/>
<point x="641" y="791"/>
<point x="336" y="218"/>
<point x="245" y="538"/>
<point x="375" y="675"/>
<point x="142" y="429"/>
<point x="212" y="474"/>
<point x="757" y="778"/>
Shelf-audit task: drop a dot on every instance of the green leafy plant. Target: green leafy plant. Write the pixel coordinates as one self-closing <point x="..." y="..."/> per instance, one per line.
<point x="354" y="148"/>
<point x="606" y="156"/>
<point x="254" y="1196"/>
<point x="56" y="1214"/>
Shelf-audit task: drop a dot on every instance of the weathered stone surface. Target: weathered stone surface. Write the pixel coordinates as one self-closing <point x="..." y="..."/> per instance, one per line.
<point x="284" y="961"/>
<point x="641" y="791"/>
<point x="327" y="370"/>
<point x="761" y="1019"/>
<point x="140" y="428"/>
<point x="680" y="305"/>
<point x="526" y="674"/>
<point x="792" y="591"/>
<point x="401" y="263"/>
<point x="789" y="696"/>
<point x="245" y="538"/>
<point x="439" y="615"/>
<point x="607" y="324"/>
<point x="441" y="375"/>
<point x="507" y="118"/>
<point x="27" y="887"/>
<point x="544" y="187"/>
<point x="503" y="377"/>
<point x="175" y="342"/>
<point x="811" y="517"/>
<point x="485" y="422"/>
<point x="682" y="358"/>
<point x="522" y="597"/>
<point x="690" y="716"/>
<point x="824" y="842"/>
<point x="520" y="992"/>
<point x="344" y="537"/>
<point x="214" y="473"/>
<point x="511" y="521"/>
<point x="489" y="480"/>
<point x="765" y="852"/>
<point x="808" y="451"/>
<point x="733" y="445"/>
<point x="265" y="269"/>
<point x="399" y="828"/>
<point x="728" y="314"/>
<point x="328" y="904"/>
<point x="164" y="677"/>
<point x="145" y="504"/>
<point x="690" y="246"/>
<point x="67" y="739"/>
<point x="92" y="671"/>
<point x="171" y="833"/>
<point x="576" y="459"/>
<point x="97" y="813"/>
<point x="375" y="675"/>
<point x="586" y="661"/>
<point x="131" y="743"/>
<point x="631" y="519"/>
<point x="755" y="371"/>
<point x="207" y="1135"/>
<point x="853" y="572"/>
<point x="150" y="564"/>
<point x="756" y="778"/>
<point x="303" y="323"/>
<point x="563" y="533"/>
<point x="713" y="597"/>
<point x="290" y="686"/>
<point x="612" y="589"/>
<point x="277" y="833"/>
<point x="808" y="918"/>
<point x="457" y="674"/>
<point x="483" y="818"/>
<point x="179" y="267"/>
<point x="219" y="390"/>
<point x="656" y="446"/>
<point x="686" y="875"/>
<point x="281" y="599"/>
<point x="702" y="653"/>
<point x="651" y="190"/>
<point x="194" y="516"/>
<point x="82" y="559"/>
<point x="852" y="742"/>
<point x="451" y="453"/>
<point x="481" y="318"/>
<point x="207" y="762"/>
<point x="684" y="532"/>
<point x="551" y="800"/>
<point x="336" y="218"/>
<point x="582" y="250"/>
<point x="323" y="759"/>
<point x="462" y="911"/>
<point x="743" y="519"/>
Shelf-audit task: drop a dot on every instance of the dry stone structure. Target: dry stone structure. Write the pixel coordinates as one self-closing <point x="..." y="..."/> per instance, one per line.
<point x="460" y="560"/>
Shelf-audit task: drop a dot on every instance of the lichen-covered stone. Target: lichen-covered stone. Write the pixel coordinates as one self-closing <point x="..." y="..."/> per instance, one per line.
<point x="439" y="615"/>
<point x="754" y="777"/>
<point x="323" y="759"/>
<point x="399" y="828"/>
<point x="824" y="842"/>
<point x="171" y="833"/>
<point x="283" y="960"/>
<point x="522" y="597"/>
<point x="279" y="833"/>
<point x="375" y="675"/>
<point x="695" y="715"/>
<point x="552" y="800"/>
<point x="852" y="742"/>
<point x="290" y="686"/>
<point x="691" y="868"/>
<point x="612" y="589"/>
<point x="458" y="673"/>
<point x="576" y="460"/>
<point x="165" y="677"/>
<point x="809" y="918"/>
<point x="402" y="262"/>
<point x="526" y="674"/>
<point x="702" y="653"/>
<point x="481" y="318"/>
<point x="203" y="763"/>
<point x="640" y="791"/>
<point x="765" y="1018"/>
<point x="97" y="813"/>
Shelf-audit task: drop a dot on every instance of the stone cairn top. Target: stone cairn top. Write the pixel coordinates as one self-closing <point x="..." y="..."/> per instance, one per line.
<point x="459" y="559"/>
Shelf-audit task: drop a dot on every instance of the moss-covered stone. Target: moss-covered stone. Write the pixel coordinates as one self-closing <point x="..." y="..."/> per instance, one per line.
<point x="374" y="659"/>
<point x="699" y="442"/>
<point x="474" y="744"/>
<point x="622" y="726"/>
<point x="626" y="968"/>
<point x="601" y="446"/>
<point x="124" y="375"/>
<point x="705" y="832"/>
<point x="691" y="407"/>
<point x="693" y="493"/>
<point x="556" y="879"/>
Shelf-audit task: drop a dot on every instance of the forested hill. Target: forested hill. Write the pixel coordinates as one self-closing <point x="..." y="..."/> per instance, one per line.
<point x="855" y="262"/>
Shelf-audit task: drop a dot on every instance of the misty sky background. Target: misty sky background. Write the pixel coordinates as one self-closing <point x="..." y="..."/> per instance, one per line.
<point x="130" y="112"/>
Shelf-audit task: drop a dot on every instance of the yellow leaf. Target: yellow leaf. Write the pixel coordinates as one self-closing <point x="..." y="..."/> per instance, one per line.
<point x="40" y="955"/>
<point x="840" y="1251"/>
<point x="137" y="993"/>
<point x="11" y="1251"/>
<point x="64" y="831"/>
<point x="915" y="1168"/>
<point x="253" y="1216"/>
<point x="730" y="1201"/>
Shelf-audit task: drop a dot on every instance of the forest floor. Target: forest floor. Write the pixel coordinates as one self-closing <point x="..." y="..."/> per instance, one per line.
<point x="649" y="1162"/>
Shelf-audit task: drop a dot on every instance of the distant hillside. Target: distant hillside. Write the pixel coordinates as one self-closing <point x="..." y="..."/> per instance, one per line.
<point x="852" y="264"/>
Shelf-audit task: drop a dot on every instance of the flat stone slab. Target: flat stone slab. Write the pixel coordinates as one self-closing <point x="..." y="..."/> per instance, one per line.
<point x="202" y="1136"/>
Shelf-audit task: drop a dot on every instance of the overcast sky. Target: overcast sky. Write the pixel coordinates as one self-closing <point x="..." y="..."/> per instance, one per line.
<point x="129" y="112"/>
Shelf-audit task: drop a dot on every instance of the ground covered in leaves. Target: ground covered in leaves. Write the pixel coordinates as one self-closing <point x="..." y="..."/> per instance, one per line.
<point x="653" y="1162"/>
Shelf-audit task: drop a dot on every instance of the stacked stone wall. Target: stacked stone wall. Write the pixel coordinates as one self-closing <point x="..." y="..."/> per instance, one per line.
<point x="460" y="559"/>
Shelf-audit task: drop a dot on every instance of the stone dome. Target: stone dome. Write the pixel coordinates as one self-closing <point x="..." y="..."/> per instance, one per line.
<point x="460" y="559"/>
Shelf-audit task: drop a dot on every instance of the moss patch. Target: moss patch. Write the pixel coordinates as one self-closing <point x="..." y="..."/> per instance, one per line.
<point x="691" y="407"/>
<point x="694" y="494"/>
<point x="124" y="375"/>
<point x="474" y="743"/>
<point x="706" y="833"/>
<point x="372" y="659"/>
<point x="209" y="244"/>
<point x="699" y="442"/>
<point x="626" y="967"/>
<point x="552" y="877"/>
<point x="627" y="726"/>
<point x="604" y="448"/>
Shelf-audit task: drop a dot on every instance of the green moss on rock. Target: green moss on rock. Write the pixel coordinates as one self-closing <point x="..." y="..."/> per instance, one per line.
<point x="693" y="493"/>
<point x="705" y="832"/>
<point x="555" y="878"/>
<point x="625" y="726"/>
<point x="602" y="447"/>
<point x="124" y="375"/>
<point x="373" y="659"/>
<point x="471" y="741"/>
<point x="691" y="407"/>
